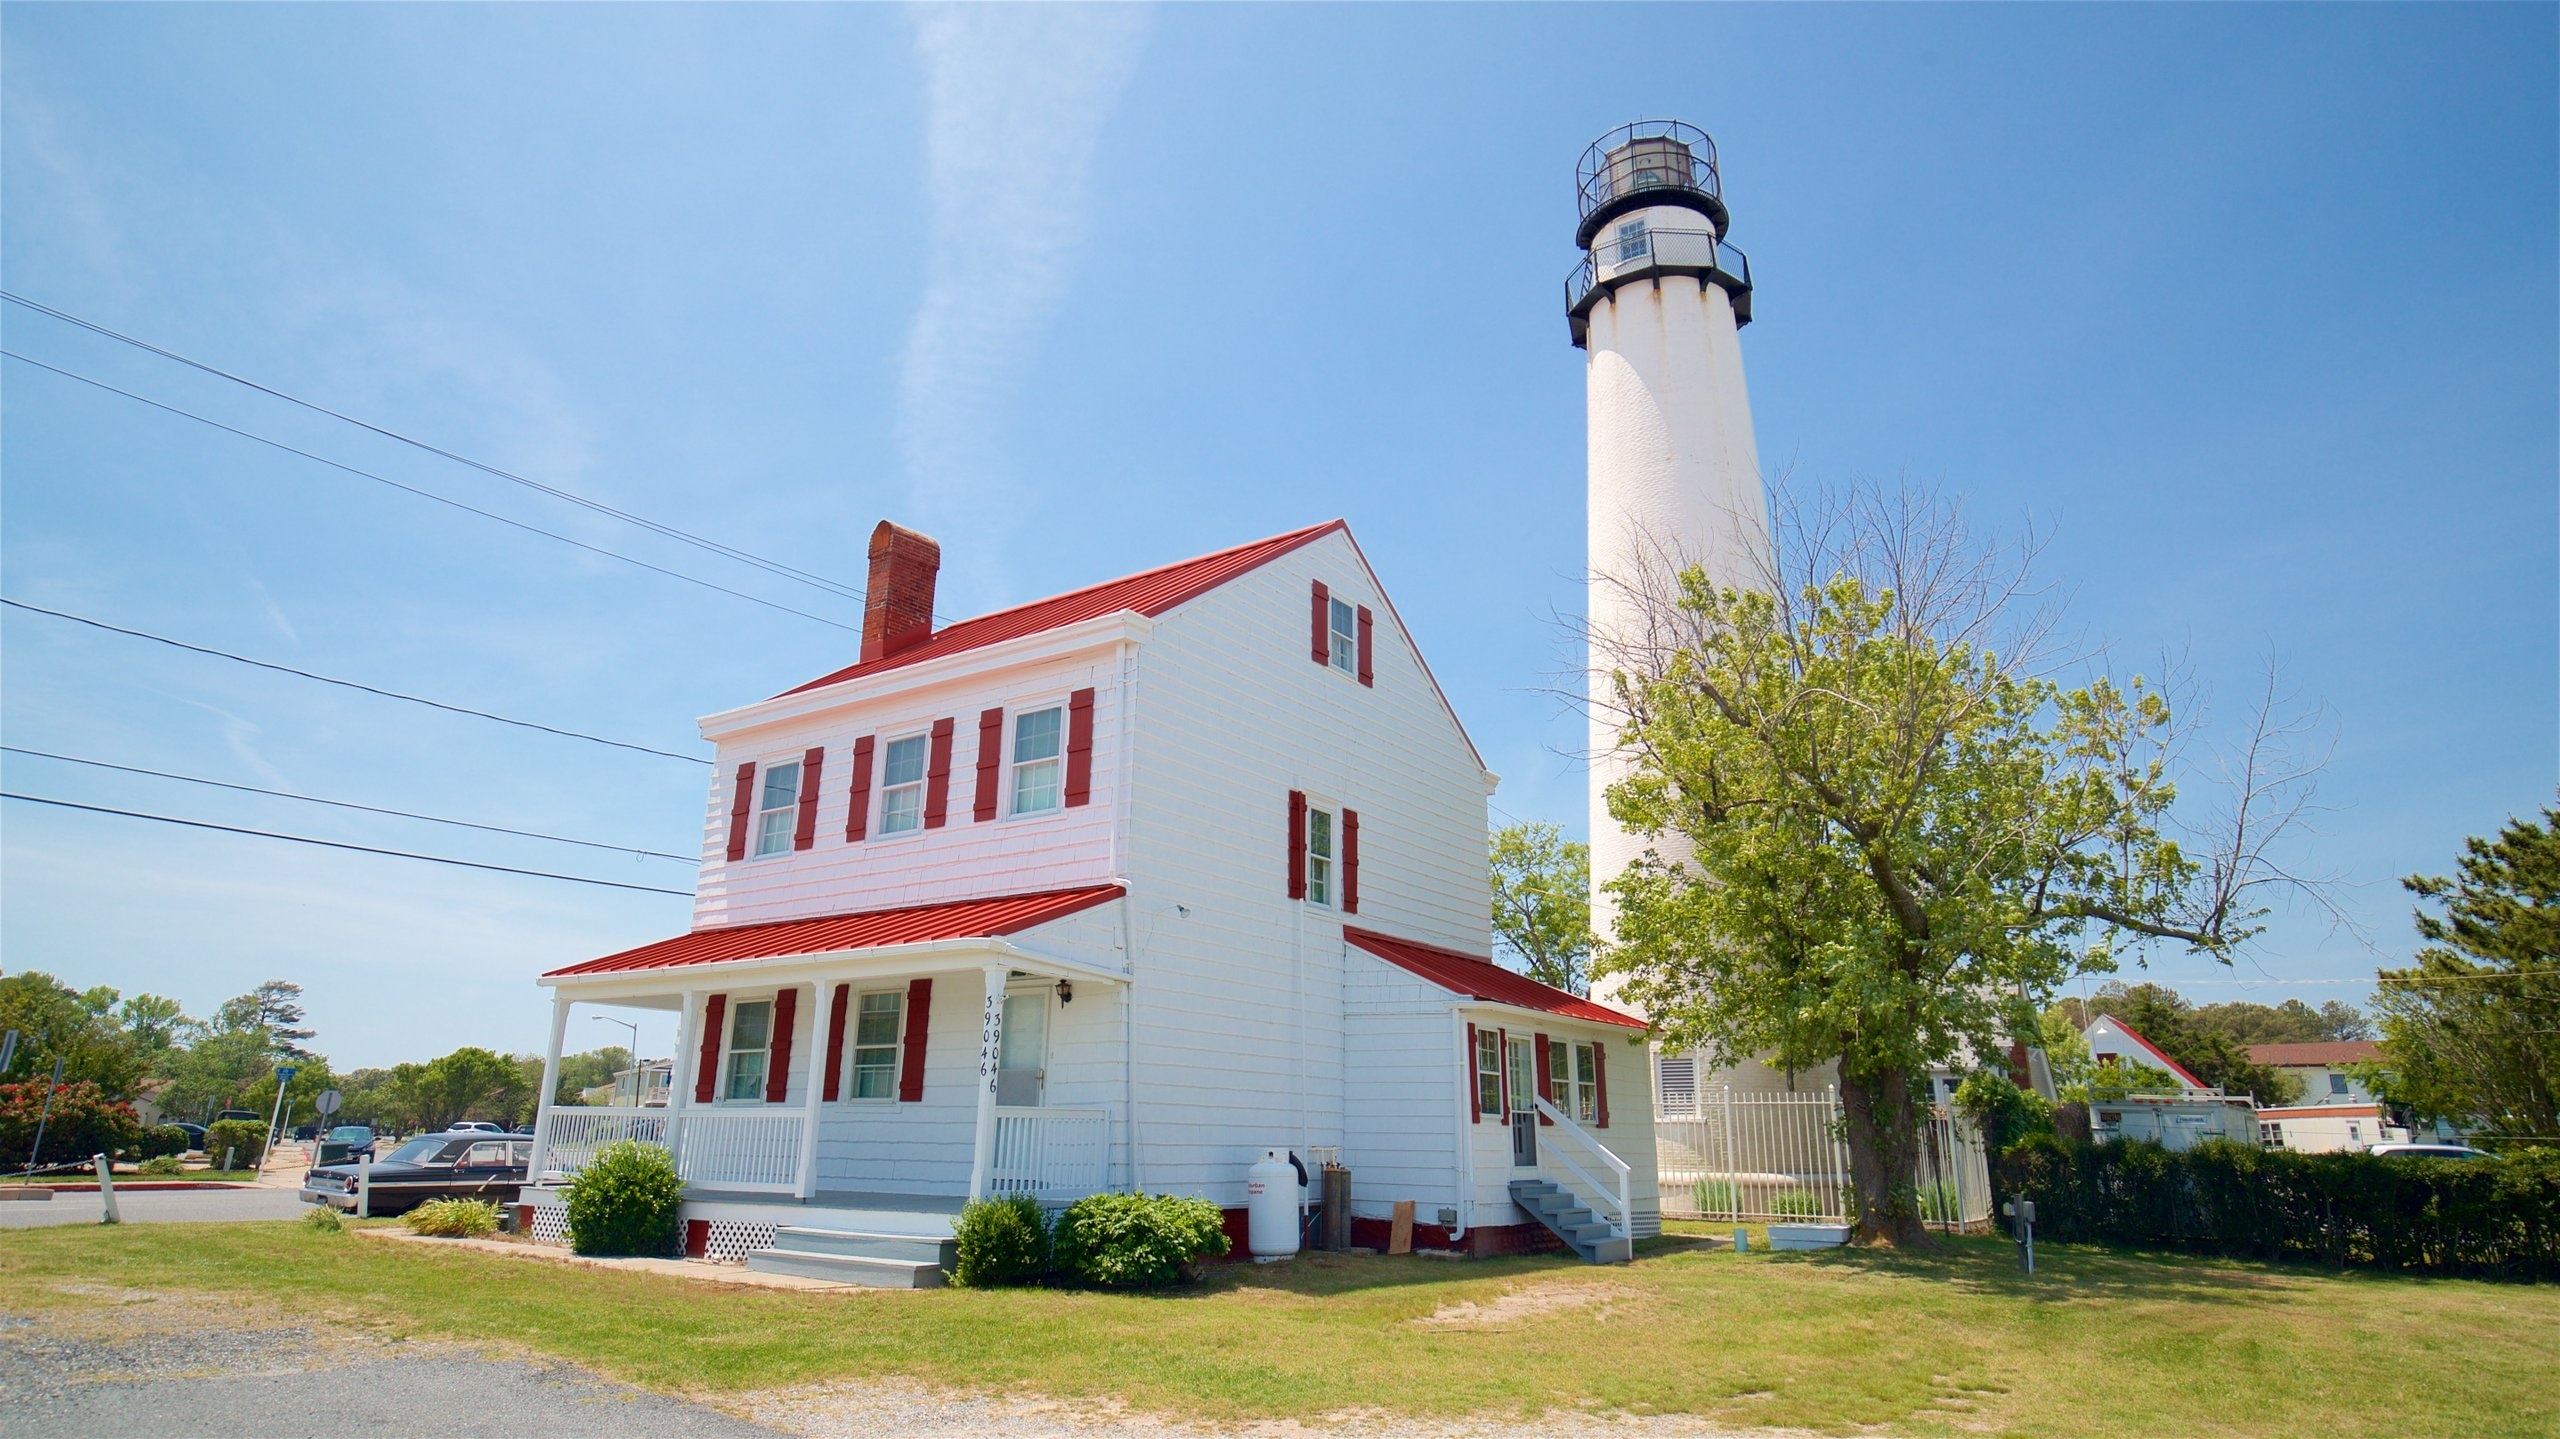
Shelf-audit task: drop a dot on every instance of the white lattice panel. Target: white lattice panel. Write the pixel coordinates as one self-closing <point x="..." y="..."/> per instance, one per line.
<point x="550" y="1224"/>
<point x="732" y="1240"/>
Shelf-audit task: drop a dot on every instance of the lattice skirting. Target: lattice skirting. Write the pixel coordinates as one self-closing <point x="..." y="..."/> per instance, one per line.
<point x="732" y="1240"/>
<point x="550" y="1224"/>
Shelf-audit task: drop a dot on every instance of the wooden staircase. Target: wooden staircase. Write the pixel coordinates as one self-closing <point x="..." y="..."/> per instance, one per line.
<point x="1583" y="1232"/>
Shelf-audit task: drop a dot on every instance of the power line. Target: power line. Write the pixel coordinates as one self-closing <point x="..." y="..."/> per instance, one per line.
<point x="732" y="552"/>
<point x="348" y="684"/>
<point x="428" y="494"/>
<point x="348" y="804"/>
<point x="357" y="848"/>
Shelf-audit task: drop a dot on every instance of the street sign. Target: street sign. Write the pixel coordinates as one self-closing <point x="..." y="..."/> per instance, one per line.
<point x="284" y="1075"/>
<point x="328" y="1102"/>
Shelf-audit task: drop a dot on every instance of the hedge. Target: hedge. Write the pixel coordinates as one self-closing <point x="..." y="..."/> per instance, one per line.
<point x="2491" y="1217"/>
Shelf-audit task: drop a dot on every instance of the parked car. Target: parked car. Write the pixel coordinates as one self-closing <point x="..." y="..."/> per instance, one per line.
<point x="457" y="1164"/>
<point x="345" y="1144"/>
<point x="2429" y="1151"/>
<point x="195" y="1133"/>
<point x="476" y="1126"/>
<point x="250" y="1115"/>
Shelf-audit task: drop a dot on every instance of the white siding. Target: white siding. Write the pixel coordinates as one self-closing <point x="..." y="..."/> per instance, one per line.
<point x="1400" y="1078"/>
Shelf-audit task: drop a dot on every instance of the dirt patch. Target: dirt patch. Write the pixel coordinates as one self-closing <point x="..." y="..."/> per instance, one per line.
<point x="1517" y="1305"/>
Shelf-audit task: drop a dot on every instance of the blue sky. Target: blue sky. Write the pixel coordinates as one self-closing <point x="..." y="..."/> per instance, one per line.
<point x="2252" y="308"/>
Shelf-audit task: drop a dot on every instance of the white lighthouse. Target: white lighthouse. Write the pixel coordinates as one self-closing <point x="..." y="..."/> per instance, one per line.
<point x="1658" y="305"/>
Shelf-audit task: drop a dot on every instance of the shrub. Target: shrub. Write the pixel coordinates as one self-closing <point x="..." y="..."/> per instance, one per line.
<point x="628" y="1200"/>
<point x="454" y="1218"/>
<point x="999" y="1242"/>
<point x="1797" y="1204"/>
<point x="1137" y="1241"/>
<point x="2490" y="1217"/>
<point x="163" y="1141"/>
<point x="82" y="1121"/>
<point x="163" y="1165"/>
<point x="322" y="1219"/>
<point x="1714" y="1196"/>
<point x="244" y="1135"/>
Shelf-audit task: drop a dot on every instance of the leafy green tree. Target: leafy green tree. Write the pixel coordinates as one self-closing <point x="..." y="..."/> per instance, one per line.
<point x="1879" y="832"/>
<point x="154" y="1024"/>
<point x="273" y="1009"/>
<point x="2292" y="1022"/>
<point x="1542" y="904"/>
<point x="302" y="1093"/>
<point x="472" y="1083"/>
<point x="55" y="1022"/>
<point x="591" y="1070"/>
<point x="2471" y="1032"/>
<point x="2164" y="1017"/>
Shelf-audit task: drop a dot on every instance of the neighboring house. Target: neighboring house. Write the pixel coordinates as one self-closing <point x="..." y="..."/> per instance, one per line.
<point x="2177" y="1119"/>
<point x="2336" y="1110"/>
<point x="146" y="1102"/>
<point x="645" y="1084"/>
<point x="2322" y="1068"/>
<point x="1115" y="890"/>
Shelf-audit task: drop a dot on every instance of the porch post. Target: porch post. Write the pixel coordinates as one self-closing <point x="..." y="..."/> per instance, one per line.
<point x="680" y="1086"/>
<point x="542" y="1103"/>
<point x="990" y="1046"/>
<point x="814" y="1069"/>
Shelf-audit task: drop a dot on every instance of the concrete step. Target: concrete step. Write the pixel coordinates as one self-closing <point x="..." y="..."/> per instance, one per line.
<point x="849" y="1269"/>
<point x="866" y="1244"/>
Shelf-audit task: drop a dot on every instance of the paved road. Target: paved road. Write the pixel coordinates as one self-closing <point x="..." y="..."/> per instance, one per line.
<point x="161" y="1206"/>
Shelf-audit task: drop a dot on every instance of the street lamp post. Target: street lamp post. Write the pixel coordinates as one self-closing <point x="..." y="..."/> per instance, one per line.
<point x="632" y="1055"/>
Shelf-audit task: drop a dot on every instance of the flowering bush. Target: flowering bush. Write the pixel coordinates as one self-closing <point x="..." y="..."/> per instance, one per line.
<point x="82" y="1122"/>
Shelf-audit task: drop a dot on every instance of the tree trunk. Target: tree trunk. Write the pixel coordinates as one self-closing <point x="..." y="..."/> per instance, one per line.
<point x="1884" y="1153"/>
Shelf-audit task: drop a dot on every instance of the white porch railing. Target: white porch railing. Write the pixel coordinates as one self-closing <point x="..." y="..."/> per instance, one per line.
<point x="1741" y="1155"/>
<point x="755" y="1150"/>
<point x="1051" y="1153"/>
<point x="1610" y="1198"/>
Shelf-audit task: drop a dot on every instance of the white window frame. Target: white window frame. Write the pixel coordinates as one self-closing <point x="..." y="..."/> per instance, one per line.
<point x="1342" y="634"/>
<point x="1488" y="1047"/>
<point x="1016" y="765"/>
<point x="923" y="740"/>
<point x="729" y="1050"/>
<point x="1324" y="871"/>
<point x="1573" y="1083"/>
<point x="1634" y="240"/>
<point x="854" y="1047"/>
<point x="769" y="840"/>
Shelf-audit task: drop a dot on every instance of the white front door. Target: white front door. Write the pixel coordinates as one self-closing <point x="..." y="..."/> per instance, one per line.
<point x="1022" y="1056"/>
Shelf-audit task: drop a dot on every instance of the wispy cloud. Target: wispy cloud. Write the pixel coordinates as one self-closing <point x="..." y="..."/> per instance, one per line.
<point x="1016" y="99"/>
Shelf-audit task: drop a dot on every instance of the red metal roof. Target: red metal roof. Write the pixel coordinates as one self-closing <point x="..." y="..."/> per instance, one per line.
<point x="2326" y="1052"/>
<point x="1483" y="979"/>
<point x="2164" y="1061"/>
<point x="1149" y="593"/>
<point x="828" y="934"/>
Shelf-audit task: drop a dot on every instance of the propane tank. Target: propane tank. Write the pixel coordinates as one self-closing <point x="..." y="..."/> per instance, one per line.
<point x="1271" y="1208"/>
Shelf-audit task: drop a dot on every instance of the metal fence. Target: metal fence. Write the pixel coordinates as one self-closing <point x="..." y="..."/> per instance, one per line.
<point x="1745" y="1155"/>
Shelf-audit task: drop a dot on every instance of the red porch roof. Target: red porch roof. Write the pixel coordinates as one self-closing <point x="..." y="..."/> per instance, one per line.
<point x="2160" y="1058"/>
<point x="917" y="924"/>
<point x="1483" y="979"/>
<point x="1151" y="593"/>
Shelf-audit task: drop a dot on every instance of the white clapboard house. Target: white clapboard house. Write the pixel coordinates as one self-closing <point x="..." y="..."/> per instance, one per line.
<point x="1116" y="890"/>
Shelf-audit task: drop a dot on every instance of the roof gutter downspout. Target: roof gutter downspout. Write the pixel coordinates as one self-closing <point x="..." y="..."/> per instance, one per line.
<point x="1123" y="826"/>
<point x="1466" y="1153"/>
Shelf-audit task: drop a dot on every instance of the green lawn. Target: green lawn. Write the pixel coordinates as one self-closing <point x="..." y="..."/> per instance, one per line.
<point x="1956" y="1342"/>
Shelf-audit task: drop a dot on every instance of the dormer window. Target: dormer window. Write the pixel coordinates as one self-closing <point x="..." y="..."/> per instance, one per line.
<point x="902" y="786"/>
<point x="1036" y="752"/>
<point x="1345" y="647"/>
<point x="777" y="808"/>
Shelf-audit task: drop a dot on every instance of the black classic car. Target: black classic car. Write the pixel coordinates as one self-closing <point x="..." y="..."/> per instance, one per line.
<point x="461" y="1164"/>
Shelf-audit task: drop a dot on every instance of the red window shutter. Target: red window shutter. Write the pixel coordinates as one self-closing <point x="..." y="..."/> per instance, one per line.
<point x="1297" y="844"/>
<point x="804" y="829"/>
<point x="937" y="776"/>
<point x="1323" y="624"/>
<point x="1368" y="622"/>
<point x="1351" y="861"/>
<point x="857" y="819"/>
<point x="990" y="751"/>
<point x="1080" y="747"/>
<point x="835" y="1041"/>
<point x="706" y="1068"/>
<point x="1502" y="1047"/>
<point x="1475" y="1084"/>
<point x="740" y="808"/>
<point x="1546" y="1075"/>
<point x="911" y="1054"/>
<point x="1600" y="1079"/>
<point x="777" y="1069"/>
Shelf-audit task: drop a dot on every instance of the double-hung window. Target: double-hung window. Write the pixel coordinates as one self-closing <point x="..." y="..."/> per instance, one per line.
<point x="1036" y="763"/>
<point x="750" y="1048"/>
<point x="1634" y="241"/>
<point x="902" y="786"/>
<point x="1344" y="649"/>
<point x="1319" y="856"/>
<point x="875" y="1045"/>
<point x="777" y="807"/>
<point x="1573" y="1080"/>
<point x="1488" y="1073"/>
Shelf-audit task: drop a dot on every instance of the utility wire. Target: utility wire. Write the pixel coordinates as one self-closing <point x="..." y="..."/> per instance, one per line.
<point x="348" y="804"/>
<point x="427" y="494"/>
<point x="732" y="552"/>
<point x="357" y="848"/>
<point x="349" y="684"/>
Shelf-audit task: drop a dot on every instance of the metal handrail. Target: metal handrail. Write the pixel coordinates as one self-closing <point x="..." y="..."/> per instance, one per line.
<point x="1624" y="1226"/>
<point x="1603" y="175"/>
<point x="1722" y="258"/>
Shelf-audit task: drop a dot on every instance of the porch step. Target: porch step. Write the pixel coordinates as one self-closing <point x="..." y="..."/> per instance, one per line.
<point x="1582" y="1231"/>
<point x="850" y="1256"/>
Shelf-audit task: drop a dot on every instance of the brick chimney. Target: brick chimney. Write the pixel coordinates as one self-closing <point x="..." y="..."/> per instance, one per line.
<point x="897" y="609"/>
